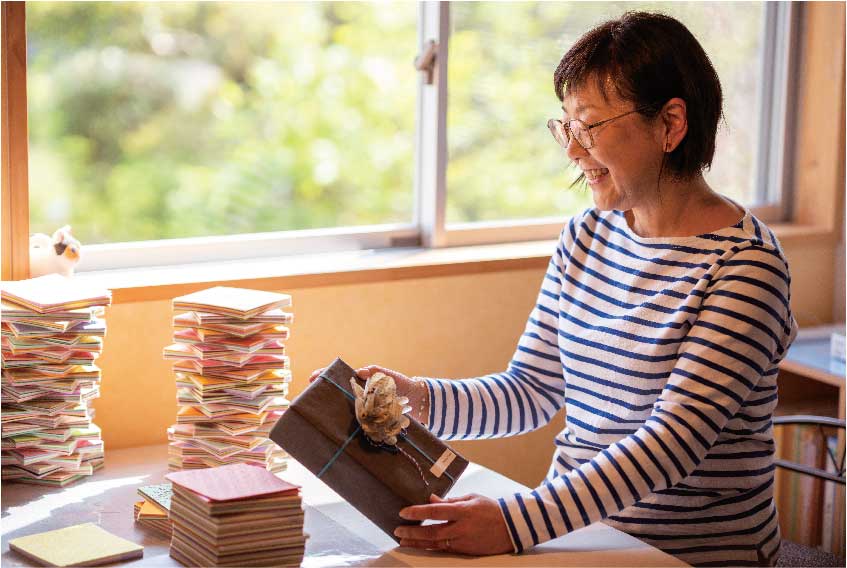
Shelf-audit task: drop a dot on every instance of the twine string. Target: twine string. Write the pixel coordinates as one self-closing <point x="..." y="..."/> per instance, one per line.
<point x="402" y="436"/>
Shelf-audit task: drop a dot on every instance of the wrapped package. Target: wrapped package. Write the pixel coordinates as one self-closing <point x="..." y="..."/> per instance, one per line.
<point x="320" y="430"/>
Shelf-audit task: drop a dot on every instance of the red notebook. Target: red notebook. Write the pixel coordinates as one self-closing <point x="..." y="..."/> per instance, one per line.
<point x="230" y="482"/>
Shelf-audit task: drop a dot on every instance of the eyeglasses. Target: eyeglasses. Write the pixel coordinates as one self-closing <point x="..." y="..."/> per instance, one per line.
<point x="562" y="131"/>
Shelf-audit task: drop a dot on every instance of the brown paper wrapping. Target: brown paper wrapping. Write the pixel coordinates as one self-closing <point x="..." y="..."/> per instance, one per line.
<point x="316" y="430"/>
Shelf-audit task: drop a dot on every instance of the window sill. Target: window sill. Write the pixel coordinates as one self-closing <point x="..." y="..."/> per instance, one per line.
<point x="355" y="267"/>
<point x="326" y="269"/>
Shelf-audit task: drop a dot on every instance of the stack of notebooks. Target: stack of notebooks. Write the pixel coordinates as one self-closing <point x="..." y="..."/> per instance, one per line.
<point x="152" y="511"/>
<point x="235" y="515"/>
<point x="232" y="377"/>
<point x="52" y="333"/>
<point x="80" y="545"/>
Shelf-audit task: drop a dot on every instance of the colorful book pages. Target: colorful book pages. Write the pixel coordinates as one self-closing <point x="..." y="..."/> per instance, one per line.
<point x="54" y="293"/>
<point x="79" y="545"/>
<point x="58" y="319"/>
<point x="257" y="525"/>
<point x="52" y="330"/>
<point x="149" y="516"/>
<point x="277" y="316"/>
<point x="238" y="481"/>
<point x="152" y="511"/>
<point x="159" y="494"/>
<point x="238" y="303"/>
<point x="231" y="373"/>
<point x="215" y="323"/>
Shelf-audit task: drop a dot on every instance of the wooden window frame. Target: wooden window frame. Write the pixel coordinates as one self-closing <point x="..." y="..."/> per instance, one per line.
<point x="15" y="158"/>
<point x="814" y="172"/>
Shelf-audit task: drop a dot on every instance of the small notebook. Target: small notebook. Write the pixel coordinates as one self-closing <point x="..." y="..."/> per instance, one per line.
<point x="229" y="482"/>
<point x="79" y="545"/>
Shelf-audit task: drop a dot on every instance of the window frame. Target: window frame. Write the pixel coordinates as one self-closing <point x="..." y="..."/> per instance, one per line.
<point x="773" y="172"/>
<point x="429" y="228"/>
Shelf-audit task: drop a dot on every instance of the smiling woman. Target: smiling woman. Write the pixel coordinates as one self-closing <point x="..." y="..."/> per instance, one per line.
<point x="664" y="99"/>
<point x="659" y="326"/>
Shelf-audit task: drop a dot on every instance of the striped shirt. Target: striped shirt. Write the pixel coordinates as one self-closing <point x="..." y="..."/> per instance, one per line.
<point x="664" y="353"/>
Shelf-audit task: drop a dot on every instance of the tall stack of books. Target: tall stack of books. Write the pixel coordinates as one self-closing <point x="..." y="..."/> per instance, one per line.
<point x="232" y="377"/>
<point x="235" y="515"/>
<point x="52" y="333"/>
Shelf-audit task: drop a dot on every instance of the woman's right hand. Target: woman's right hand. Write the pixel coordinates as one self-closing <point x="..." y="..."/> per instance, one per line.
<point x="315" y="374"/>
<point x="417" y="394"/>
<point x="404" y="383"/>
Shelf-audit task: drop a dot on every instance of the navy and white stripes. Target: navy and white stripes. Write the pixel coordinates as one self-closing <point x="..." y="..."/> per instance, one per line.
<point x="664" y="353"/>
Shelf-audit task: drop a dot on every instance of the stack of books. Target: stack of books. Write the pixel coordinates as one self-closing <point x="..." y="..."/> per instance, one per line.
<point x="232" y="377"/>
<point x="152" y="511"/>
<point x="235" y="515"/>
<point x="52" y="333"/>
<point x="78" y="545"/>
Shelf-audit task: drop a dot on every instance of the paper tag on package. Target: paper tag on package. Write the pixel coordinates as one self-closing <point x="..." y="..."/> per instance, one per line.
<point x="443" y="463"/>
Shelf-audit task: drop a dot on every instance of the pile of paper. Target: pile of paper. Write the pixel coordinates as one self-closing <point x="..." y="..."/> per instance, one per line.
<point x="52" y="333"/>
<point x="232" y="377"/>
<point x="152" y="511"/>
<point x="236" y="515"/>
<point x="79" y="545"/>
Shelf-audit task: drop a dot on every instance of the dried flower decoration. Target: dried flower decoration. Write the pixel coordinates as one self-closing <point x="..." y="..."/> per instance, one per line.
<point x="380" y="412"/>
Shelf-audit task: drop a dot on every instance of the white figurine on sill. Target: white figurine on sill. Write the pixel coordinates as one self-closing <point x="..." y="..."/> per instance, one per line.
<point x="58" y="254"/>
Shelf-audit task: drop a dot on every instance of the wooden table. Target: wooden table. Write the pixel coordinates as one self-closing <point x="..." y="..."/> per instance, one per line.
<point x="809" y="357"/>
<point x="339" y="535"/>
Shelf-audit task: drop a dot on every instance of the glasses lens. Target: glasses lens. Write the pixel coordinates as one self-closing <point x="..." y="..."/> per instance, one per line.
<point x="580" y="132"/>
<point x="558" y="131"/>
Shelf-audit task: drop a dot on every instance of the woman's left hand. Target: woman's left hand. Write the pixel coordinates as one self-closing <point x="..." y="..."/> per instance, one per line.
<point x="474" y="525"/>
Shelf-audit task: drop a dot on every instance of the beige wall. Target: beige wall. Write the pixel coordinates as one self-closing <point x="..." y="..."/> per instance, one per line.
<point x="454" y="326"/>
<point x="468" y="325"/>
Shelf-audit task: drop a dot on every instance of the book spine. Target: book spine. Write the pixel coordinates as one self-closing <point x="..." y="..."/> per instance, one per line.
<point x="794" y="491"/>
<point x="828" y="513"/>
<point x="812" y="454"/>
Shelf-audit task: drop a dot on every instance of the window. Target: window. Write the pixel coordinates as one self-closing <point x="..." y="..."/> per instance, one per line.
<point x="502" y="57"/>
<point x="209" y="131"/>
<point x="158" y="121"/>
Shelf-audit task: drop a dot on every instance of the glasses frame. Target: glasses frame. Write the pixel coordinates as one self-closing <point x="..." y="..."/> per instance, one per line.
<point x="566" y="127"/>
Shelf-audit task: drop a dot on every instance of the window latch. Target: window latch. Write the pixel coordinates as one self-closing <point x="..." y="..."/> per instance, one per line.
<point x="425" y="61"/>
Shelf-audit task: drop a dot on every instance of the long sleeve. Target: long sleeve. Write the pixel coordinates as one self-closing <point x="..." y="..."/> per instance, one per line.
<point x="740" y="333"/>
<point x="528" y="393"/>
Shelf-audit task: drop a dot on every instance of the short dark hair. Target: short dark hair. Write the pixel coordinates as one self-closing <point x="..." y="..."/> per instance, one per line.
<point x="651" y="58"/>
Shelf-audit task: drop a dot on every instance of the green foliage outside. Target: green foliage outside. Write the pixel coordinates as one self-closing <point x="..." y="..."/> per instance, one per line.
<point x="164" y="120"/>
<point x="503" y="161"/>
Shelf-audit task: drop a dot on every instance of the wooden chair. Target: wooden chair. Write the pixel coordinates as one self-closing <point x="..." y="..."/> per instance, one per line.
<point x="792" y="553"/>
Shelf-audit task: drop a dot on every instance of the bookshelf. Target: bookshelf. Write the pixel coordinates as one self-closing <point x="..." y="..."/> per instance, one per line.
<point x="808" y="374"/>
<point x="811" y="382"/>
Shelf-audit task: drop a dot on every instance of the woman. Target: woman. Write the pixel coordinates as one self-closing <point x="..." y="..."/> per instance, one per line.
<point x="659" y="326"/>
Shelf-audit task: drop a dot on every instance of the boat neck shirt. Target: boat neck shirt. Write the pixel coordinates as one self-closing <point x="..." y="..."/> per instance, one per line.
<point x="664" y="353"/>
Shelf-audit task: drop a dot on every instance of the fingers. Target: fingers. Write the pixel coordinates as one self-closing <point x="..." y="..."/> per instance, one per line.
<point x="443" y="545"/>
<point x="436" y="511"/>
<point x="365" y="373"/>
<point x="412" y="543"/>
<point x="431" y="533"/>
<point x="436" y="499"/>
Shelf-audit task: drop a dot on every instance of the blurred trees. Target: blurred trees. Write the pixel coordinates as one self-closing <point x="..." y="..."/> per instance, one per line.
<point x="179" y="119"/>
